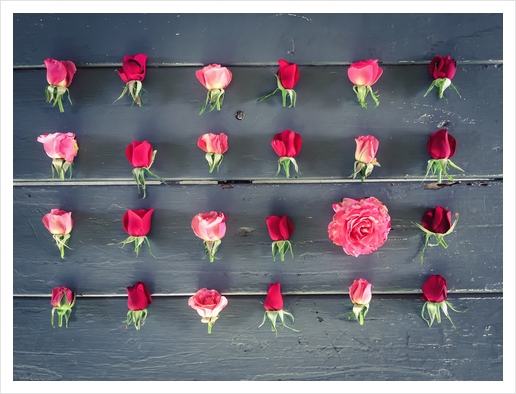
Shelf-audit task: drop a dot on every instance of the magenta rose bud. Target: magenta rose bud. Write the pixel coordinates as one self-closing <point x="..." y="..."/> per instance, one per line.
<point x="286" y="79"/>
<point x="134" y="68"/>
<point x="62" y="148"/>
<point x="360" y="226"/>
<point x="141" y="156"/>
<point x="365" y="156"/>
<point x="137" y="223"/>
<point x="215" y="78"/>
<point x="442" y="69"/>
<point x="59" y="76"/>
<point x="211" y="228"/>
<point x="363" y="75"/>
<point x="280" y="230"/>
<point x="434" y="293"/>
<point x="208" y="304"/>
<point x="62" y="301"/>
<point x="215" y="145"/>
<point x="441" y="146"/>
<point x="59" y="223"/>
<point x="138" y="298"/>
<point x="273" y="305"/>
<point x="360" y="295"/>
<point x="287" y="146"/>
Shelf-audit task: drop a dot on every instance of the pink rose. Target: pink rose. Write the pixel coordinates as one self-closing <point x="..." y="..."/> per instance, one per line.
<point x="365" y="72"/>
<point x="360" y="226"/>
<point x="208" y="304"/>
<point x="60" y="72"/>
<point x="213" y="143"/>
<point x="60" y="145"/>
<point x="209" y="226"/>
<point x="58" y="222"/>
<point x="62" y="301"/>
<point x="367" y="146"/>
<point x="360" y="292"/>
<point x="214" y="76"/>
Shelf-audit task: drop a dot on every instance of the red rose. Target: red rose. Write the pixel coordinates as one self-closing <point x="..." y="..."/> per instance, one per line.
<point x="360" y="292"/>
<point x="58" y="295"/>
<point x="443" y="67"/>
<point x="288" y="74"/>
<point x="133" y="68"/>
<point x="138" y="297"/>
<point x="434" y="289"/>
<point x="274" y="299"/>
<point x="287" y="144"/>
<point x="437" y="220"/>
<point x="441" y="145"/>
<point x="365" y="72"/>
<point x="139" y="154"/>
<point x="60" y="72"/>
<point x="137" y="223"/>
<point x="280" y="228"/>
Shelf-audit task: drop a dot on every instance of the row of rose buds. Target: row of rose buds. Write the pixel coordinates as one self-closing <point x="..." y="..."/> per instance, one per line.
<point x="209" y="303"/>
<point x="215" y="78"/>
<point x="63" y="148"/>
<point x="360" y="226"/>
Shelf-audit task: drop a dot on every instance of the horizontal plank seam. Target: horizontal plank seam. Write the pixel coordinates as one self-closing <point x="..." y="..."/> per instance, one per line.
<point x="129" y="182"/>
<point x="265" y="64"/>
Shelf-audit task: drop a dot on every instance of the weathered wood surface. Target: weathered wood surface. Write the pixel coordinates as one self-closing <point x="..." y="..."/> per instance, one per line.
<point x="395" y="343"/>
<point x="327" y="115"/>
<point x="178" y="38"/>
<point x="472" y="262"/>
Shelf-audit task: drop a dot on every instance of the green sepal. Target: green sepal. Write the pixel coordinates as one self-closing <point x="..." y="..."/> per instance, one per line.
<point x="215" y="98"/>
<point x="364" y="169"/>
<point x="439" y="238"/>
<point x="210" y="321"/>
<point x="64" y="309"/>
<point x="138" y="242"/>
<point x="281" y="247"/>
<point x="61" y="242"/>
<point x="210" y="248"/>
<point x="359" y="311"/>
<point x="434" y="312"/>
<point x="284" y="93"/>
<point x="285" y="161"/>
<point x="362" y="92"/>
<point x="61" y="167"/>
<point x="442" y="84"/>
<point x="138" y="317"/>
<point x="214" y="160"/>
<point x="139" y="175"/>
<point x="135" y="89"/>
<point x="56" y="93"/>
<point x="273" y="317"/>
<point x="440" y="167"/>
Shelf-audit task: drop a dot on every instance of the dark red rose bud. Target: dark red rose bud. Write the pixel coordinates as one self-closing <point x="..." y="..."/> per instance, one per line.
<point x="443" y="67"/>
<point x="288" y="74"/>
<point x="437" y="220"/>
<point x="138" y="297"/>
<point x="134" y="68"/>
<point x="274" y="299"/>
<point x="280" y="228"/>
<point x="441" y="145"/>
<point x="434" y="289"/>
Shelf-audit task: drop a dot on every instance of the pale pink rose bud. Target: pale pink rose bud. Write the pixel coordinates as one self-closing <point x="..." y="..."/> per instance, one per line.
<point x="367" y="146"/>
<point x="58" y="222"/>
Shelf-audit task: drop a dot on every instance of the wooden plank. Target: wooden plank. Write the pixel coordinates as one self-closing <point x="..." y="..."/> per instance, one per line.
<point x="472" y="263"/>
<point x="179" y="38"/>
<point x="327" y="116"/>
<point x="393" y="344"/>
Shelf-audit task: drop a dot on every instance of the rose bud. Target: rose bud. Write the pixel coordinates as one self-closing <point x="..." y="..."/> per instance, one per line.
<point x="360" y="226"/>
<point x="59" y="223"/>
<point x="434" y="293"/>
<point x="287" y="145"/>
<point x="214" y="78"/>
<point x="137" y="224"/>
<point x="360" y="294"/>
<point x="62" y="148"/>
<point x="441" y="146"/>
<point x="442" y="70"/>
<point x="62" y="301"/>
<point x="208" y="304"/>
<point x="133" y="73"/>
<point x="365" y="156"/>
<point x="437" y="223"/>
<point x="141" y="156"/>
<point x="138" y="298"/>
<point x="211" y="228"/>
<point x="215" y="145"/>
<point x="59" y="76"/>
<point x="286" y="78"/>
<point x="364" y="74"/>
<point x="280" y="230"/>
<point x="274" y="307"/>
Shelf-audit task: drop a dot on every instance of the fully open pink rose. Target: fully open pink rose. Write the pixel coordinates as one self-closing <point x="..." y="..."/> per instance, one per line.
<point x="209" y="226"/>
<point x="60" y="72"/>
<point x="207" y="303"/>
<point x="214" y="76"/>
<point x="367" y="146"/>
<point x="58" y="222"/>
<point x="60" y="145"/>
<point x="360" y="226"/>
<point x="213" y="143"/>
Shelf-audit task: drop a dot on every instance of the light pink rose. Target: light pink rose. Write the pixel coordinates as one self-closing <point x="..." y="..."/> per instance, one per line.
<point x="209" y="226"/>
<point x="214" y="76"/>
<point x="60" y="145"/>
<point x="213" y="143"/>
<point x="360" y="226"/>
<point x="367" y="146"/>
<point x="360" y="292"/>
<point x="207" y="303"/>
<point x="58" y="222"/>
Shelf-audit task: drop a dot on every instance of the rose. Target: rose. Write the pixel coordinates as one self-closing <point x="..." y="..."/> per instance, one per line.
<point x="214" y="145"/>
<point x="287" y="145"/>
<point x="436" y="222"/>
<point x="211" y="228"/>
<point x="441" y="145"/>
<point x="62" y="148"/>
<point x="434" y="293"/>
<point x="59" y="76"/>
<point x="215" y="78"/>
<point x="62" y="301"/>
<point x="360" y="226"/>
<point x="141" y="156"/>
<point x="137" y="223"/>
<point x="208" y="304"/>
<point x="280" y="230"/>
<point x="274" y="299"/>
<point x="134" y="68"/>
<point x="365" y="153"/>
<point x="288" y="74"/>
<point x="442" y="69"/>
<point x="59" y="223"/>
<point x="138" y="298"/>
<point x="60" y="72"/>
<point x="360" y="295"/>
<point x="363" y="75"/>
